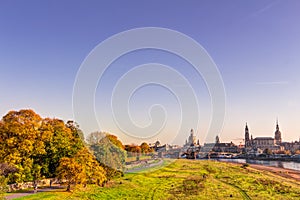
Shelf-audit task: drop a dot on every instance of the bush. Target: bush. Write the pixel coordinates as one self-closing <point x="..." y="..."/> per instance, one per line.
<point x="3" y="186"/>
<point x="245" y="165"/>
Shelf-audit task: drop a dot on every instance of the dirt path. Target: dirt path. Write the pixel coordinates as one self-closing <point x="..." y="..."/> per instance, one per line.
<point x="22" y="194"/>
<point x="145" y="167"/>
<point x="18" y="195"/>
<point x="287" y="173"/>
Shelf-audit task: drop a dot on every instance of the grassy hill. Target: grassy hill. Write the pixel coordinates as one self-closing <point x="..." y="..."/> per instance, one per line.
<point x="189" y="179"/>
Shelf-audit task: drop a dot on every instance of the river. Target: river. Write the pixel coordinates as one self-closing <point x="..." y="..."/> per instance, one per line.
<point x="271" y="163"/>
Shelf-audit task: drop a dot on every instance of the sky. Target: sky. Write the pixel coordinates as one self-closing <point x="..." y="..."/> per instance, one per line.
<point x="254" y="44"/>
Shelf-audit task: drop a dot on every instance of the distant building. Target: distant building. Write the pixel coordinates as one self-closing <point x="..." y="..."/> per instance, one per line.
<point x="278" y="139"/>
<point x="207" y="147"/>
<point x="226" y="147"/>
<point x="191" y="141"/>
<point x="162" y="148"/>
<point x="166" y="150"/>
<point x="191" y="146"/>
<point x="220" y="147"/>
<point x="248" y="142"/>
<point x="156" y="146"/>
<point x="266" y="143"/>
<point x="293" y="147"/>
<point x="263" y="143"/>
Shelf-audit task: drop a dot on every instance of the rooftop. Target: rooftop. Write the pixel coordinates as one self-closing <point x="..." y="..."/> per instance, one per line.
<point x="263" y="138"/>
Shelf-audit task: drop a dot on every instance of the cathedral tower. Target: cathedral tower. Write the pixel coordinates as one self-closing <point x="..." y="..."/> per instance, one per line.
<point x="247" y="137"/>
<point x="192" y="138"/>
<point x="277" y="134"/>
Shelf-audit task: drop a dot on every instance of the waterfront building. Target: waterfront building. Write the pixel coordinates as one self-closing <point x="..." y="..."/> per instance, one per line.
<point x="263" y="143"/>
<point x="266" y="143"/>
<point x="191" y="141"/>
<point x="278" y="139"/>
<point x="192" y="146"/>
<point x="248" y="141"/>
<point x="293" y="147"/>
<point x="218" y="146"/>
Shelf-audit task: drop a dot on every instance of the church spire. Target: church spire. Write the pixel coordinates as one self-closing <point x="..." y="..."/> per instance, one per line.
<point x="246" y="128"/>
<point x="278" y="138"/>
<point x="247" y="137"/>
<point x="192" y="132"/>
<point x="217" y="139"/>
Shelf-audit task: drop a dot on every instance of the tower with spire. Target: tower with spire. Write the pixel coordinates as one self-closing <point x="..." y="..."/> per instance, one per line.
<point x="192" y="138"/>
<point x="277" y="138"/>
<point x="217" y="139"/>
<point x="247" y="137"/>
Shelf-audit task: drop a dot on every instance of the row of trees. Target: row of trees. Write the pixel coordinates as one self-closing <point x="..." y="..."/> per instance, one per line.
<point x="47" y="148"/>
<point x="143" y="148"/>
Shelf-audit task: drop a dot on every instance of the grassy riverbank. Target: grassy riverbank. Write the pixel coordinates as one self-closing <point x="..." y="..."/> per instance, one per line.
<point x="189" y="179"/>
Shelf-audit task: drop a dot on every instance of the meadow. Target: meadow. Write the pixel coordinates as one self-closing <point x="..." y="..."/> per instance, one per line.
<point x="188" y="179"/>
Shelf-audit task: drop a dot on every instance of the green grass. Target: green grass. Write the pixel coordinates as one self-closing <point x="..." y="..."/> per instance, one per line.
<point x="189" y="179"/>
<point x="143" y="166"/>
<point x="133" y="158"/>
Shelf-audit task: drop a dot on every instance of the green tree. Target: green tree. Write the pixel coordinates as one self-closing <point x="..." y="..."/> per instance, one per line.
<point x="77" y="133"/>
<point x="109" y="152"/>
<point x="61" y="140"/>
<point x="5" y="170"/>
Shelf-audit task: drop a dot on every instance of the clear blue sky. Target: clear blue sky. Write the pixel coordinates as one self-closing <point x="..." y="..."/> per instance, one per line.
<point x="255" y="44"/>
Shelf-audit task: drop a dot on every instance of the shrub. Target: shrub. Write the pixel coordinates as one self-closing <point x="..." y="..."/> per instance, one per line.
<point x="245" y="165"/>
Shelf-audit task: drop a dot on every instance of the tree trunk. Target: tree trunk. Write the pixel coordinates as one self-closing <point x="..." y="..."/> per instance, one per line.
<point x="35" y="186"/>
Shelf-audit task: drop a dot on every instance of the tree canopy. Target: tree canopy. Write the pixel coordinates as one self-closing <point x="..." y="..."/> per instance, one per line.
<point x="109" y="151"/>
<point x="21" y="142"/>
<point x="32" y="147"/>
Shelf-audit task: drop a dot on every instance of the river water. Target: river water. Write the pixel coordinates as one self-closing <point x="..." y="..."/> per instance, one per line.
<point x="280" y="164"/>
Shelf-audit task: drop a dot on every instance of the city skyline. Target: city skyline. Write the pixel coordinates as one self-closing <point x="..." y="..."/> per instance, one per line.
<point x="253" y="44"/>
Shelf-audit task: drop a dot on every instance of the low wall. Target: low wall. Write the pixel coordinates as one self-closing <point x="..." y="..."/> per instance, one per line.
<point x="26" y="185"/>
